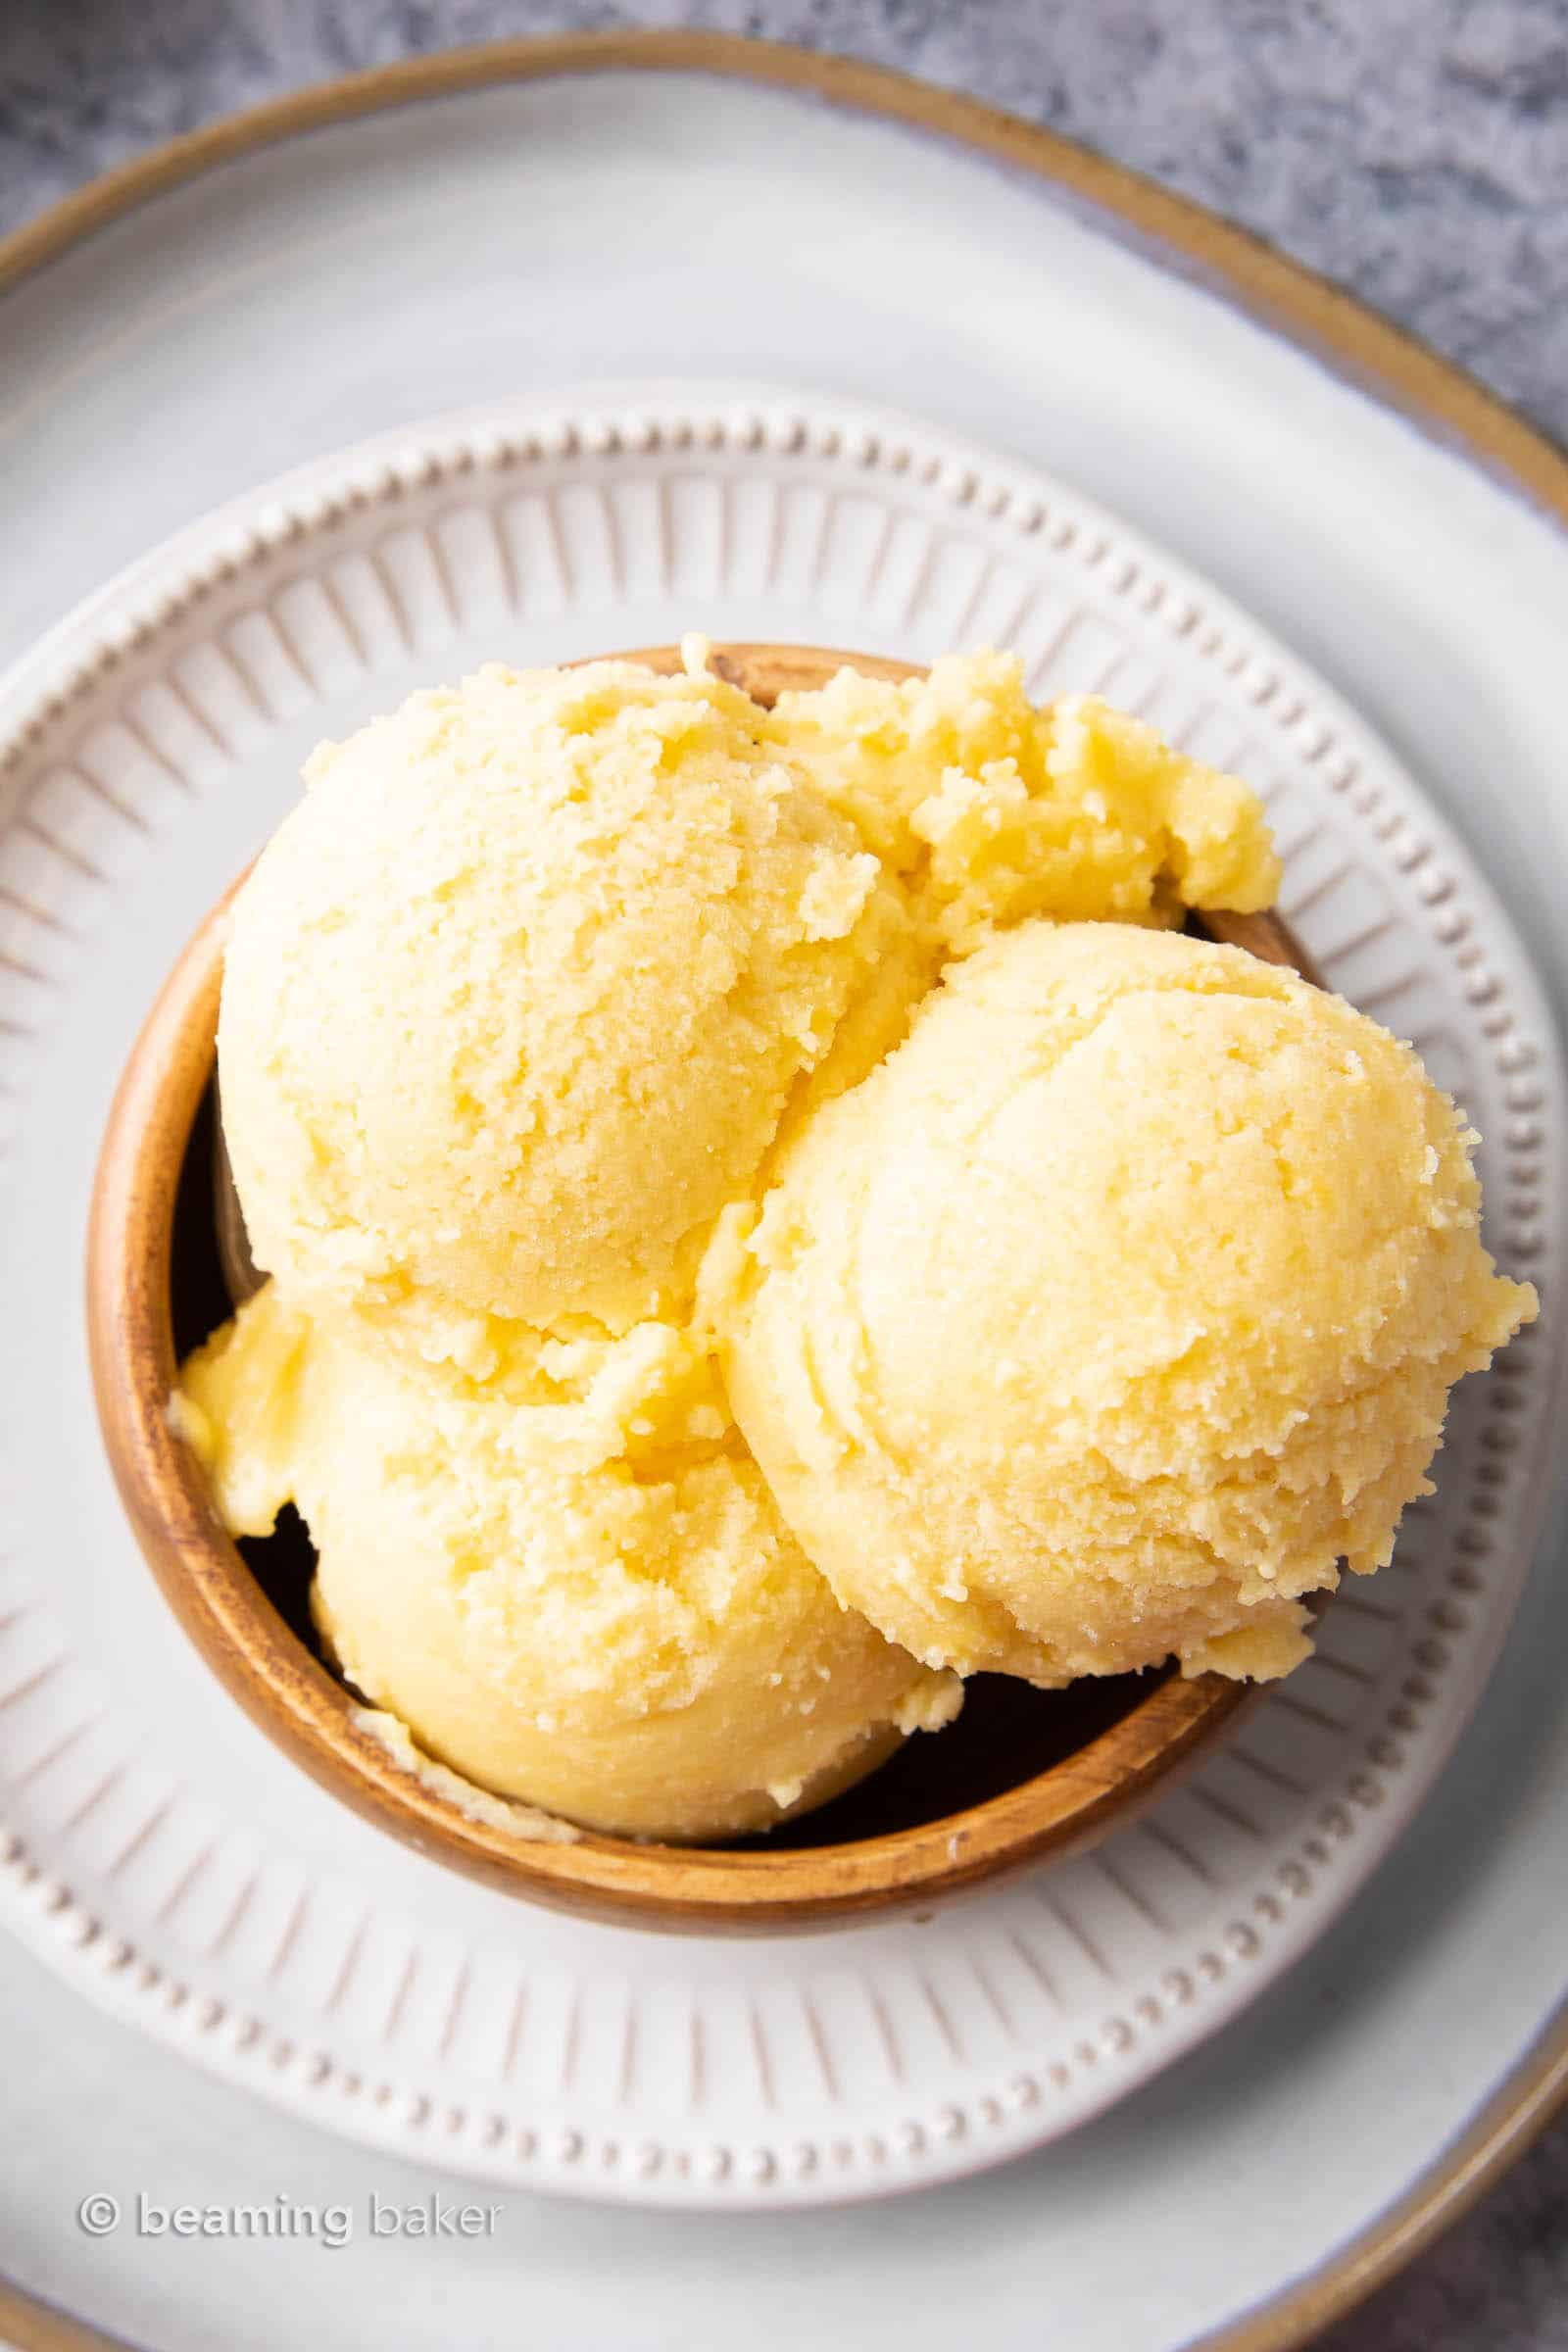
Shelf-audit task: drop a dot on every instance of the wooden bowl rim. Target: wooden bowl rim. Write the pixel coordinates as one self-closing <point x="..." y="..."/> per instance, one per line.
<point x="311" y="1716"/>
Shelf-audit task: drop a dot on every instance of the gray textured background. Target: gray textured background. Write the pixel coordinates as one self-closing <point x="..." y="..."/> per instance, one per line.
<point x="1415" y="150"/>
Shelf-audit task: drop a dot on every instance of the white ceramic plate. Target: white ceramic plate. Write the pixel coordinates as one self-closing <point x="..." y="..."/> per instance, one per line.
<point x="165" y="1855"/>
<point x="496" y="245"/>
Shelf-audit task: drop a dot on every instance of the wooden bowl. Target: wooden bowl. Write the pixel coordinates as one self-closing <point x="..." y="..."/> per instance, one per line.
<point x="1022" y="1775"/>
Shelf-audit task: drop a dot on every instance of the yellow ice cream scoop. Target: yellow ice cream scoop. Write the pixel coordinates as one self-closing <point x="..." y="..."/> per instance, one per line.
<point x="1112" y="1311"/>
<point x="569" y="1580"/>
<point x="516" y="997"/>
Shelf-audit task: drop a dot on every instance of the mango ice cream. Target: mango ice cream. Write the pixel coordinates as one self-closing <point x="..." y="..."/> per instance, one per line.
<point x="1112" y="1311"/>
<point x="766" y="1216"/>
<point x="570" y="1578"/>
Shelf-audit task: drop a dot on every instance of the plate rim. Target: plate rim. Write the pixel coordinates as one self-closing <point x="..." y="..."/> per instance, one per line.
<point x="1400" y="370"/>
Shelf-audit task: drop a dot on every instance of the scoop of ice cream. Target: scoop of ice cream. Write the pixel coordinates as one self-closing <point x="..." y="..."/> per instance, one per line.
<point x="991" y="810"/>
<point x="516" y="997"/>
<point x="568" y="1580"/>
<point x="1112" y="1311"/>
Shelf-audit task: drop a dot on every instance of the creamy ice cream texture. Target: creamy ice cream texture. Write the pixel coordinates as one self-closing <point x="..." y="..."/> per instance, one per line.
<point x="1112" y="1311"/>
<point x="515" y="997"/>
<point x="570" y="1579"/>
<point x="677" y="1370"/>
